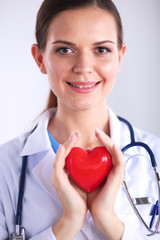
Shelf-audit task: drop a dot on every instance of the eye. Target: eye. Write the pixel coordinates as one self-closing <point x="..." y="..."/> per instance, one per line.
<point x="102" y="50"/>
<point x="64" y="50"/>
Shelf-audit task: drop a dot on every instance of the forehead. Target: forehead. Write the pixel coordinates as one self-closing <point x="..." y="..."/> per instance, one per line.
<point x="83" y="23"/>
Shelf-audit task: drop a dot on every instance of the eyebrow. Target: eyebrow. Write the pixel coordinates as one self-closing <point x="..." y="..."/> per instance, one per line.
<point x="73" y="44"/>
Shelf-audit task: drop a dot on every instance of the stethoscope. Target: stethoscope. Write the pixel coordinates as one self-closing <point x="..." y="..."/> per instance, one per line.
<point x="20" y="231"/>
<point x="133" y="143"/>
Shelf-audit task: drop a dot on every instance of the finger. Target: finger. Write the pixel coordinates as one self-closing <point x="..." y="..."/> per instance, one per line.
<point x="59" y="174"/>
<point x="71" y="142"/>
<point x="116" y="175"/>
<point x="58" y="165"/>
<point x="117" y="155"/>
<point x="59" y="160"/>
<point x="104" y="139"/>
<point x="64" y="149"/>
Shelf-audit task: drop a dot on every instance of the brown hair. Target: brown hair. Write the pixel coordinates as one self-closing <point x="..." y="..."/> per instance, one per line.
<point x="51" y="8"/>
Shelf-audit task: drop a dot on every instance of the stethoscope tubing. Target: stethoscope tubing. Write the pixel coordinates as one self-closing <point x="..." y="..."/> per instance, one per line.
<point x="18" y="219"/>
<point x="21" y="194"/>
<point x="146" y="147"/>
<point x="133" y="143"/>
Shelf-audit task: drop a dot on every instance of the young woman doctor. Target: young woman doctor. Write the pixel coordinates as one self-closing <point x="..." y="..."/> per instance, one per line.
<point x="80" y="47"/>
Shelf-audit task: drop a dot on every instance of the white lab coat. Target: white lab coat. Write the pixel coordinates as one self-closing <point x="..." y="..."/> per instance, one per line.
<point x="42" y="206"/>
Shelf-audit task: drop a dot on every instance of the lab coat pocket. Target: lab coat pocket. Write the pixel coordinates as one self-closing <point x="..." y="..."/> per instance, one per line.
<point x="135" y="229"/>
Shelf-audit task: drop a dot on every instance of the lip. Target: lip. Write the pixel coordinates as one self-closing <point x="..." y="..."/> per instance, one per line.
<point x="83" y="83"/>
<point x="83" y="90"/>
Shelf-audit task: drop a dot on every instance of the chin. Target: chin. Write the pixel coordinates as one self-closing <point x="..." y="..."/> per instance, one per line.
<point x="83" y="106"/>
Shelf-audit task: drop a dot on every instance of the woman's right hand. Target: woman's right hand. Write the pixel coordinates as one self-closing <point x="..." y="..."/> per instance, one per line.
<point x="74" y="199"/>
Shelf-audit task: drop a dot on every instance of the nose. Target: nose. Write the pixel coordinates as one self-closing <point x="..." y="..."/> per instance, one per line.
<point x="83" y="64"/>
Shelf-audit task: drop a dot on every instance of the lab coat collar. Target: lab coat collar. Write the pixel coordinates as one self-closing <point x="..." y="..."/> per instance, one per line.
<point x="119" y="133"/>
<point x="38" y="141"/>
<point x="114" y="127"/>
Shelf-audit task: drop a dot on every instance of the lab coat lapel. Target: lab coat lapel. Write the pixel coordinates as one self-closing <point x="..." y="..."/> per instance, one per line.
<point x="38" y="140"/>
<point x="120" y="135"/>
<point x="43" y="171"/>
<point x="119" y="132"/>
<point x="41" y="156"/>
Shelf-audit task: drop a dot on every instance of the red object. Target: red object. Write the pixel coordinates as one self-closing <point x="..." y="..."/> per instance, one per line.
<point x="88" y="168"/>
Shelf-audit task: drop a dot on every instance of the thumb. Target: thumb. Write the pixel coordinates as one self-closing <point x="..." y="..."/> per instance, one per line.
<point x="65" y="148"/>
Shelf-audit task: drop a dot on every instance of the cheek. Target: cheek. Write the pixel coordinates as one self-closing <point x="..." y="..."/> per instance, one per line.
<point x="57" y="71"/>
<point x="108" y="71"/>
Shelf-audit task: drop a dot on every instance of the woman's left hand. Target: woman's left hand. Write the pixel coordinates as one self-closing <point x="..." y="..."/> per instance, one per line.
<point x="101" y="201"/>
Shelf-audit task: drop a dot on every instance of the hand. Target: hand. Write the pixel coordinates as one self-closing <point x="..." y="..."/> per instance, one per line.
<point x="74" y="199"/>
<point x="101" y="201"/>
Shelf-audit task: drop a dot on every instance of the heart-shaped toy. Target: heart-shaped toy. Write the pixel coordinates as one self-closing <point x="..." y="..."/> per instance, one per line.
<point x="88" y="168"/>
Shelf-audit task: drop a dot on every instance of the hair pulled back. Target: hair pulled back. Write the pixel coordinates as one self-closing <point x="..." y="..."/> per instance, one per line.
<point x="51" y="8"/>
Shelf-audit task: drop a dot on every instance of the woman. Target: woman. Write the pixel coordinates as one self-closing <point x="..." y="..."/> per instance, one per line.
<point x="80" y="47"/>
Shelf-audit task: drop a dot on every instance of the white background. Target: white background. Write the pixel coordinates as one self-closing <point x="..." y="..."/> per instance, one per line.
<point x="24" y="90"/>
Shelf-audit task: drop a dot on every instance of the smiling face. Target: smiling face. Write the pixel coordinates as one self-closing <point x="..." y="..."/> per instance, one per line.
<point x="81" y="57"/>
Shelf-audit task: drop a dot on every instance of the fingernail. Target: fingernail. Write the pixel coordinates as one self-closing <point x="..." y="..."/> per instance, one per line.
<point x="70" y="137"/>
<point x="100" y="132"/>
<point x="76" y="133"/>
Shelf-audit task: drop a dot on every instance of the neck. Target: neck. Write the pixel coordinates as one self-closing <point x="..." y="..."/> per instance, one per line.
<point x="67" y="120"/>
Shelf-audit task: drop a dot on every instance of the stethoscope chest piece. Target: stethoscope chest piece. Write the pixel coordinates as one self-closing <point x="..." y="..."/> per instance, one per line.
<point x="20" y="236"/>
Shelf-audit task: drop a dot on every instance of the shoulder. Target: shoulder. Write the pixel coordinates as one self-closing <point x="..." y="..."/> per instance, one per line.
<point x="10" y="152"/>
<point x="148" y="138"/>
<point x="151" y="140"/>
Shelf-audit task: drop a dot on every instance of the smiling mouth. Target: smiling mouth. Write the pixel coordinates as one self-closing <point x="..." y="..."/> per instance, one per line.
<point x="83" y="86"/>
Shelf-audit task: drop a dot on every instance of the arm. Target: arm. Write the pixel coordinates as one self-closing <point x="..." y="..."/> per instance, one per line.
<point x="101" y="202"/>
<point x="73" y="199"/>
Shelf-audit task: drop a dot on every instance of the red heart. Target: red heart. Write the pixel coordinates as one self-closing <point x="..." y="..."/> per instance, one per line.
<point x="88" y="168"/>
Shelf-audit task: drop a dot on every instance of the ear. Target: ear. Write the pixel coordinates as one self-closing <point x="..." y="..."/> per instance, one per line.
<point x="38" y="57"/>
<point x="121" y="55"/>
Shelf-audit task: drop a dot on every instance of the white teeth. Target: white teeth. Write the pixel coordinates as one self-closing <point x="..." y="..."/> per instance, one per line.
<point x="81" y="86"/>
